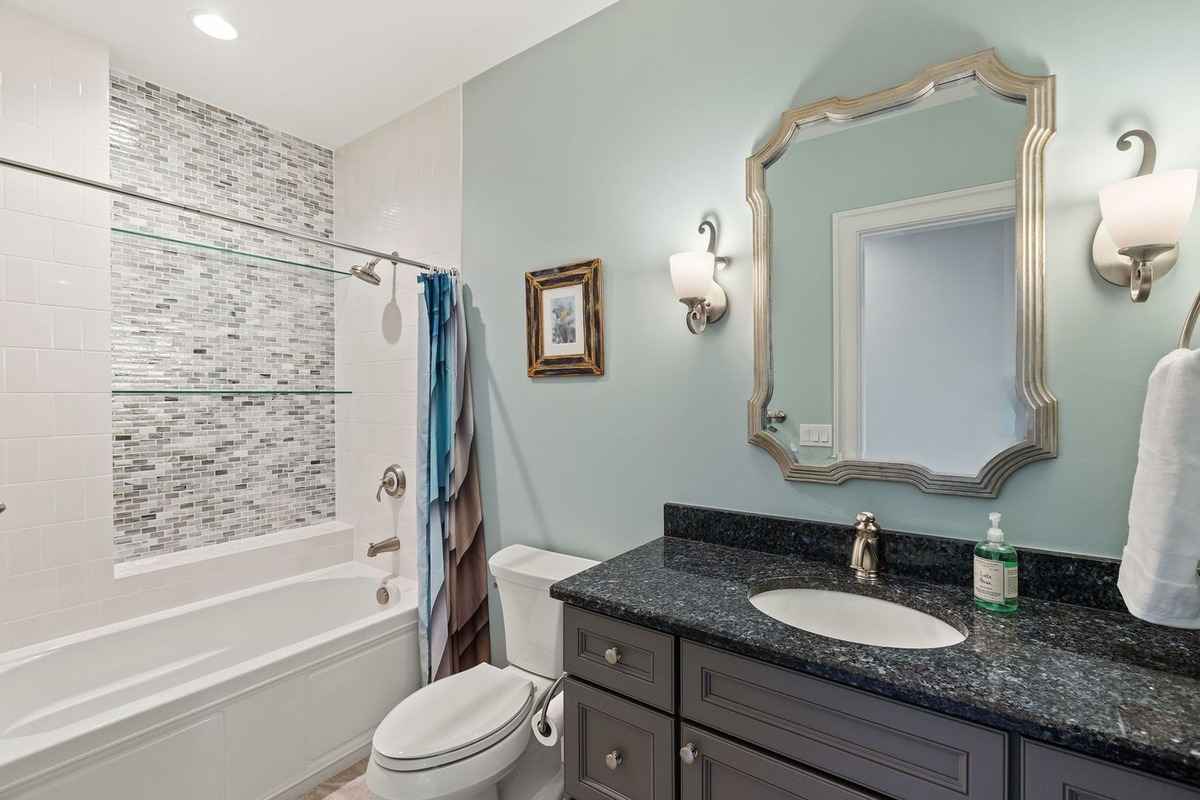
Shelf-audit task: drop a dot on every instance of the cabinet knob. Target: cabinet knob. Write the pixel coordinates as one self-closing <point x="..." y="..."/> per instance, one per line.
<point x="689" y="753"/>
<point x="613" y="655"/>
<point x="613" y="759"/>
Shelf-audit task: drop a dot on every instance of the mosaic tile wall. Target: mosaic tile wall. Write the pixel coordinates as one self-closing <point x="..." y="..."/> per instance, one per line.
<point x="196" y="470"/>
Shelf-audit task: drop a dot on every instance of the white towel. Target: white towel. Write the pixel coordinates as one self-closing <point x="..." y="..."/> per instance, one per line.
<point x="1158" y="569"/>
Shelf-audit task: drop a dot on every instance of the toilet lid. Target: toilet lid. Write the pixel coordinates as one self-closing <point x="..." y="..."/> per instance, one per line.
<point x="453" y="718"/>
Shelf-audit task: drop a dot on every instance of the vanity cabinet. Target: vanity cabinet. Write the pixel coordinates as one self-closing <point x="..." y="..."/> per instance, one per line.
<point x="652" y="717"/>
<point x="724" y="770"/>
<point x="615" y="749"/>
<point x="1048" y="773"/>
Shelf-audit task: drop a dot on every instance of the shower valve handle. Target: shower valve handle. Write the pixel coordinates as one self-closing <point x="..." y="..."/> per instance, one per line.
<point x="393" y="482"/>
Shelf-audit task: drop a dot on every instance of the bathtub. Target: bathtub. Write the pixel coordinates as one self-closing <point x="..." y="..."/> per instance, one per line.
<point x="253" y="695"/>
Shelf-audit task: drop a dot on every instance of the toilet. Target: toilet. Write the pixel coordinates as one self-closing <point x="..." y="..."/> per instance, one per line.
<point x="468" y="736"/>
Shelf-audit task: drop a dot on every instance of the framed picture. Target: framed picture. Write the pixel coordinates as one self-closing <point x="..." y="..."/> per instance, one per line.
<point x="564" y="321"/>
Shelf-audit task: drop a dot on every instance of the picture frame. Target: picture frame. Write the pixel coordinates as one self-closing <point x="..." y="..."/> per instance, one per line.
<point x="564" y="321"/>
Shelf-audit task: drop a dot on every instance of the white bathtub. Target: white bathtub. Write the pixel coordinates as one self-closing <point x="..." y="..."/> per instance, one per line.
<point x="248" y="696"/>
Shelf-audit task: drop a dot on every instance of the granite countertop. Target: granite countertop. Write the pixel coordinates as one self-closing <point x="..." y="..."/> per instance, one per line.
<point x="1098" y="682"/>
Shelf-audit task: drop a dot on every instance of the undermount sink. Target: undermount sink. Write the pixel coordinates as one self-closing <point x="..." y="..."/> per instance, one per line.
<point x="857" y="618"/>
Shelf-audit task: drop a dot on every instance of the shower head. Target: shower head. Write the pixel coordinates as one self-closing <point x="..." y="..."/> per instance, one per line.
<point x="367" y="272"/>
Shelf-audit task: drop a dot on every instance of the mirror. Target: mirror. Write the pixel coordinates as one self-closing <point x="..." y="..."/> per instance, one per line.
<point x="898" y="270"/>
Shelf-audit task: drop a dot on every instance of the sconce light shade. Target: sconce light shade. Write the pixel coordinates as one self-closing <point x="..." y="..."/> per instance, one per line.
<point x="1149" y="209"/>
<point x="692" y="274"/>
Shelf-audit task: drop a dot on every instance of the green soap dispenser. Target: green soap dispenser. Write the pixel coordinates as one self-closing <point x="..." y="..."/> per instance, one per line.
<point x="996" y="571"/>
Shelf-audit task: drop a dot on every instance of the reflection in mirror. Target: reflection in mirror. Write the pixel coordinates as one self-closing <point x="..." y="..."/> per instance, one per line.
<point x="895" y="276"/>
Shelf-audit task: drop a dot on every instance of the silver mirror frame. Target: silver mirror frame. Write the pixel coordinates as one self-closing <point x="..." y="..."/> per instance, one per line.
<point x="1041" y="439"/>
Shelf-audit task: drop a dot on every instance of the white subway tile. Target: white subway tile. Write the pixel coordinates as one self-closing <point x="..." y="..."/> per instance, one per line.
<point x="98" y="496"/>
<point x="23" y="596"/>
<point x="25" y="325"/>
<point x="70" y="501"/>
<point x="30" y="505"/>
<point x="26" y="415"/>
<point x="75" y="542"/>
<point x="20" y="370"/>
<point x="26" y="235"/>
<point x="73" y="371"/>
<point x="20" y="278"/>
<point x="19" y="96"/>
<point x="81" y="414"/>
<point x="64" y="457"/>
<point x="97" y="331"/>
<point x="75" y="287"/>
<point x="65" y="621"/>
<point x="21" y="192"/>
<point x="68" y="329"/>
<point x="23" y="468"/>
<point x="61" y="200"/>
<point x="24" y="550"/>
<point x="80" y="245"/>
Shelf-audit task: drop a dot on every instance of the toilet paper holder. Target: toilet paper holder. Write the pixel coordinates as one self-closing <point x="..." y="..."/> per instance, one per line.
<point x="543" y="706"/>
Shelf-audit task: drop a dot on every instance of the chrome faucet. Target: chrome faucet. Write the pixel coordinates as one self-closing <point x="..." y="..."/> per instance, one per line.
<point x="386" y="546"/>
<point x="864" y="560"/>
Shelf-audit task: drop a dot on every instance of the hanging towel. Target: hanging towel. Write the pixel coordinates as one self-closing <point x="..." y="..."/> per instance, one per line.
<point x="1158" y="568"/>
<point x="436" y="398"/>
<point x="466" y="570"/>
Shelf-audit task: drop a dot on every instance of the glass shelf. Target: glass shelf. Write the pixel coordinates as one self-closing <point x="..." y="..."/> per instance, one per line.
<point x="228" y="251"/>
<point x="228" y="392"/>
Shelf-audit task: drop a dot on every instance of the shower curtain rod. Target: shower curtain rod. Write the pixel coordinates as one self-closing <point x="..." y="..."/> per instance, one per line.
<point x="113" y="189"/>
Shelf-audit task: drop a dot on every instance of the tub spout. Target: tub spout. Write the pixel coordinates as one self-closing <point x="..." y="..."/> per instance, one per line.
<point x="386" y="546"/>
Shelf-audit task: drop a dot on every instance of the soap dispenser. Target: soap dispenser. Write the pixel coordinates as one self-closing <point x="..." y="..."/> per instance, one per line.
<point x="996" y="571"/>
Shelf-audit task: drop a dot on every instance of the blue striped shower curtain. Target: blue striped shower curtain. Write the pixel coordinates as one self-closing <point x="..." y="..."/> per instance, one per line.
<point x="436" y="392"/>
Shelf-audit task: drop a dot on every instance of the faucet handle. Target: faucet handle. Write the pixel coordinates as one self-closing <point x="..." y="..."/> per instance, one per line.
<point x="865" y="522"/>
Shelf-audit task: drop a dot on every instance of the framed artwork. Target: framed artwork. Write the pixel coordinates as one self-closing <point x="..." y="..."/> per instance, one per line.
<point x="564" y="321"/>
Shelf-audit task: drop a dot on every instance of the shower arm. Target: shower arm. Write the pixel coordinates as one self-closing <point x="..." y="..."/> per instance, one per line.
<point x="136" y="195"/>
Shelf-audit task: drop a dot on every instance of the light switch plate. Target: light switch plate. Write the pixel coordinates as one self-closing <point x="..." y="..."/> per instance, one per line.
<point x="814" y="435"/>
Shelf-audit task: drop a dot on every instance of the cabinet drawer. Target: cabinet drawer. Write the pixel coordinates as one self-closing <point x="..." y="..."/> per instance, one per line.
<point x="722" y="770"/>
<point x="634" y="661"/>
<point x="893" y="748"/>
<point x="614" y="749"/>
<point x="1048" y="773"/>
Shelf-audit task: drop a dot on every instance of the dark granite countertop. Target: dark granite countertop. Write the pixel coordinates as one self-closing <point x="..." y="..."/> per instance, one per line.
<point x="1098" y="682"/>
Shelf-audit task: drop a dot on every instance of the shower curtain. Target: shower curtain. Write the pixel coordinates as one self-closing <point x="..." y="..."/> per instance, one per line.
<point x="451" y="558"/>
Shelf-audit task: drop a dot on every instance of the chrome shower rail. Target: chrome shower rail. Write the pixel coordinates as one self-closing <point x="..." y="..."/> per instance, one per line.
<point x="78" y="180"/>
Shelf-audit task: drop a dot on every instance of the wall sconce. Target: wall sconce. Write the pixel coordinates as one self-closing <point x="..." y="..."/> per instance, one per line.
<point x="692" y="276"/>
<point x="1142" y="220"/>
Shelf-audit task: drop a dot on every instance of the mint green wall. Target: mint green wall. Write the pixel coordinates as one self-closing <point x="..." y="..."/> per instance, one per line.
<point x="613" y="138"/>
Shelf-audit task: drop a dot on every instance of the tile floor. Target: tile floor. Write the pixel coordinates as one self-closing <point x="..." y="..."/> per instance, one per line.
<point x="349" y="784"/>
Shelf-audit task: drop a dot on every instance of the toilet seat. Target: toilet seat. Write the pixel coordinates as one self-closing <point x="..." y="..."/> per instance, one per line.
<point x="453" y="719"/>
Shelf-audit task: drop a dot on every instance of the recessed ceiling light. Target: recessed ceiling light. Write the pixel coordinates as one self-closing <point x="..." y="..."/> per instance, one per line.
<point x="214" y="25"/>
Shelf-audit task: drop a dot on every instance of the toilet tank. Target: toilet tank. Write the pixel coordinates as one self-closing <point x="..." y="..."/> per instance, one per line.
<point x="533" y="623"/>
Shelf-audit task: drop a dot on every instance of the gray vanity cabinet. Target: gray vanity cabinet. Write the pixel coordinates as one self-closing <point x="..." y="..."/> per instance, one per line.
<point x="615" y="749"/>
<point x="647" y="714"/>
<point x="629" y="659"/>
<point x="1048" y="773"/>
<point x="724" y="770"/>
<point x="893" y="748"/>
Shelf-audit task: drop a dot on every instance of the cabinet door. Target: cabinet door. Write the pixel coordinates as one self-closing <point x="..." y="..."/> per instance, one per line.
<point x="615" y="749"/>
<point x="631" y="660"/>
<point x="722" y="770"/>
<point x="1048" y="773"/>
<point x="892" y="748"/>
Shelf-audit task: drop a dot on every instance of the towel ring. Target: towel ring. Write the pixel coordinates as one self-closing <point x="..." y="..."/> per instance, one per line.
<point x="1185" y="337"/>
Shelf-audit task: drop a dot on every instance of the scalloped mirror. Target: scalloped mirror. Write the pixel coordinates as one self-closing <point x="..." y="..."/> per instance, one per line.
<point x="898" y="282"/>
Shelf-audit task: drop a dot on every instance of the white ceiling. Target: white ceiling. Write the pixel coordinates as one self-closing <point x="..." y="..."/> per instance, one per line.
<point x="325" y="71"/>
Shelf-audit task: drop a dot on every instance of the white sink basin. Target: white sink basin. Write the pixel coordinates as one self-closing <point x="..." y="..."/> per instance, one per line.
<point x="855" y="618"/>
